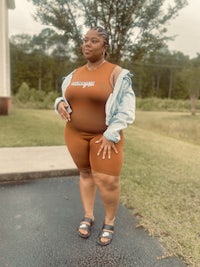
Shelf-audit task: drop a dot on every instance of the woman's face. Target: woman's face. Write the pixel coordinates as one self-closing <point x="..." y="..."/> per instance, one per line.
<point x="93" y="47"/>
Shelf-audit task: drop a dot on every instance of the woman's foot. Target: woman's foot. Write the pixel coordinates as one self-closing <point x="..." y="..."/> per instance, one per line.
<point x="106" y="235"/>
<point x="85" y="227"/>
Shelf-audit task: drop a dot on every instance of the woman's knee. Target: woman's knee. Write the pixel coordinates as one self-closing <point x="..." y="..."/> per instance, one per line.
<point x="86" y="178"/>
<point x="85" y="173"/>
<point x="105" y="181"/>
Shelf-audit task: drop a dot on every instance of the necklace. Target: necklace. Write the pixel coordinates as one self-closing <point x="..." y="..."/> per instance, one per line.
<point x="95" y="67"/>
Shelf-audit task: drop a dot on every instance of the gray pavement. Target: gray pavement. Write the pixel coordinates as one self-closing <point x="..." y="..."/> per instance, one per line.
<point x="39" y="218"/>
<point x="18" y="163"/>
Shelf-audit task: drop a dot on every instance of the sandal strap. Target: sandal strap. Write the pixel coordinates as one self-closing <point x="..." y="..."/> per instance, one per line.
<point x="85" y="224"/>
<point x="108" y="227"/>
<point x="86" y="219"/>
<point x="106" y="234"/>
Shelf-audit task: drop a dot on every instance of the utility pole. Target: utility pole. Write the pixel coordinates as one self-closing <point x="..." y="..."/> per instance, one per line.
<point x="5" y="90"/>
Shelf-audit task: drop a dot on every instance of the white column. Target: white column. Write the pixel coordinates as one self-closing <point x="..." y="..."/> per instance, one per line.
<point x="5" y="91"/>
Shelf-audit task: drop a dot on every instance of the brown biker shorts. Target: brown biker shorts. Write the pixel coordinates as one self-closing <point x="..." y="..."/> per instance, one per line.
<point x="83" y="150"/>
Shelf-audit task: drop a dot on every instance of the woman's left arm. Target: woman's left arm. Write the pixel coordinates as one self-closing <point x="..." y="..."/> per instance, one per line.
<point x="124" y="112"/>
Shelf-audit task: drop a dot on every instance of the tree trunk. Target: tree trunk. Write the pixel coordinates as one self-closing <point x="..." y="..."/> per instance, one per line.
<point x="157" y="84"/>
<point x="170" y="84"/>
<point x="153" y="85"/>
<point x="193" y="101"/>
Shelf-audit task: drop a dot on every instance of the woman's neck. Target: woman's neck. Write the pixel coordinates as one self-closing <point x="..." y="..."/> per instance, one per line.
<point x="95" y="65"/>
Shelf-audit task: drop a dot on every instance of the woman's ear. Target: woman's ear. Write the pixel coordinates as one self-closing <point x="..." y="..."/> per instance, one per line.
<point x="106" y="47"/>
<point x="105" y="50"/>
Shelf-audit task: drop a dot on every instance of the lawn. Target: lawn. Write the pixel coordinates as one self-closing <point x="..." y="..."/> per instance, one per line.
<point x="160" y="180"/>
<point x="31" y="127"/>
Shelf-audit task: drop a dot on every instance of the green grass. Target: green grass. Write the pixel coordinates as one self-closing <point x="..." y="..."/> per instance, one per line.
<point x="180" y="125"/>
<point x="31" y="127"/>
<point x="161" y="175"/>
<point x="161" y="184"/>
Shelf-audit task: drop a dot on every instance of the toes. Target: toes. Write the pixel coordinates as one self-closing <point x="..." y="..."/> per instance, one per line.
<point x="84" y="232"/>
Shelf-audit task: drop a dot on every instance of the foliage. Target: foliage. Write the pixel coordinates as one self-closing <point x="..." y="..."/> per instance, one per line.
<point x="157" y="75"/>
<point x="32" y="98"/>
<point x="157" y="104"/>
<point x="23" y="93"/>
<point x="42" y="60"/>
<point x="190" y="74"/>
<point x="161" y="74"/>
<point x="41" y="66"/>
<point x="135" y="27"/>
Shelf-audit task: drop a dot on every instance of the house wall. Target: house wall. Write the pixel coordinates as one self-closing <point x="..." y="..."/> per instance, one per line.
<point x="5" y="90"/>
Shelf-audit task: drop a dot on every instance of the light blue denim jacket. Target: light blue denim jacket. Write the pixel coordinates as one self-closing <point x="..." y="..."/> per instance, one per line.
<point x="120" y="106"/>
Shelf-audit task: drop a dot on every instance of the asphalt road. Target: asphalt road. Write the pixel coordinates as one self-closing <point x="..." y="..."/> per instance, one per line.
<point x="38" y="228"/>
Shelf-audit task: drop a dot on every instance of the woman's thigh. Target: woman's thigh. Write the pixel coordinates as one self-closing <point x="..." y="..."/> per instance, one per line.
<point x="78" y="148"/>
<point x="110" y="166"/>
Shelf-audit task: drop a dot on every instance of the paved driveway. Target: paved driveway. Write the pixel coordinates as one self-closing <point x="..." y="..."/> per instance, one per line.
<point x="38" y="220"/>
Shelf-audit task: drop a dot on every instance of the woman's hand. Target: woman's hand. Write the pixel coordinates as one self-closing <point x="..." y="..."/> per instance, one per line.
<point x="62" y="110"/>
<point x="106" y="147"/>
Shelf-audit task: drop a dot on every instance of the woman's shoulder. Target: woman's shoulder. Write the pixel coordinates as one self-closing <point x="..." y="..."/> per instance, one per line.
<point x="112" y="65"/>
<point x="115" y="74"/>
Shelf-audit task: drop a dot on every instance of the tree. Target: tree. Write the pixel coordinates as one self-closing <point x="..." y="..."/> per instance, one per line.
<point x="22" y="42"/>
<point x="191" y="77"/>
<point x="136" y="27"/>
<point x="40" y="60"/>
<point x="157" y="74"/>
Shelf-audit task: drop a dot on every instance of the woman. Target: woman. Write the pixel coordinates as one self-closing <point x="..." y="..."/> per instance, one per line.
<point x="97" y="103"/>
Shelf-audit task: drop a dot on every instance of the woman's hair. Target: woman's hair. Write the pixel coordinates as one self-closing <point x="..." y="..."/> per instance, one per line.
<point x="101" y="31"/>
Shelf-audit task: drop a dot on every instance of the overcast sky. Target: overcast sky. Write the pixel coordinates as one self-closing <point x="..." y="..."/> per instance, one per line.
<point x="186" y="26"/>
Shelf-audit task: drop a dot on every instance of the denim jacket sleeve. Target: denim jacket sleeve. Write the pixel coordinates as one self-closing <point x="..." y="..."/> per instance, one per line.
<point x="120" y="107"/>
<point x="65" y="84"/>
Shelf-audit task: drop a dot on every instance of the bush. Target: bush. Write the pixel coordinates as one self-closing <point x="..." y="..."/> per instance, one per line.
<point x="37" y="96"/>
<point x="33" y="98"/>
<point x="157" y="104"/>
<point x="23" y="93"/>
<point x="50" y="99"/>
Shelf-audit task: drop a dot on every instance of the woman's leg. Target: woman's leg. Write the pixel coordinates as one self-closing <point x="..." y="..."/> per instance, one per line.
<point x="78" y="147"/>
<point x="87" y="190"/>
<point x="106" y="173"/>
<point x="109" y="189"/>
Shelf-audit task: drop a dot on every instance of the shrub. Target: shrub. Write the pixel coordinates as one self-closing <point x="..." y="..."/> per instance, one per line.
<point x="50" y="99"/>
<point x="157" y="104"/>
<point x="36" y="95"/>
<point x="35" y="99"/>
<point x="23" y="93"/>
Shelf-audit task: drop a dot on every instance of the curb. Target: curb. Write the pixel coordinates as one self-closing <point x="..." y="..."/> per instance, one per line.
<point x="24" y="176"/>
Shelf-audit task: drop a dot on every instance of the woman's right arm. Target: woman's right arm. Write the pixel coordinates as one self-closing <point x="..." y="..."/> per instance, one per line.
<point x="62" y="109"/>
<point x="61" y="105"/>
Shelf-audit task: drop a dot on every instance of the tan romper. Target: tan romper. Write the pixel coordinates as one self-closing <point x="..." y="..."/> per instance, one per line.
<point x="87" y="95"/>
